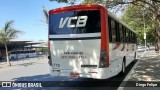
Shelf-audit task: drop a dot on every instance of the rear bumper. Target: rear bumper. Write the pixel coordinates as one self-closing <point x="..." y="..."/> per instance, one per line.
<point x="95" y="74"/>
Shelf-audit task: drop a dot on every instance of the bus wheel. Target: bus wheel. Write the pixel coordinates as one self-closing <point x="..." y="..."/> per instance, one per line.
<point x="123" y="68"/>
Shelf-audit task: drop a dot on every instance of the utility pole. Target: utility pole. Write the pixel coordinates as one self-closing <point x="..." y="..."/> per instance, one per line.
<point x="144" y="30"/>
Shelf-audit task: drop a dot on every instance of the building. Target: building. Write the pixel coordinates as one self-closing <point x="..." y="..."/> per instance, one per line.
<point x="20" y="45"/>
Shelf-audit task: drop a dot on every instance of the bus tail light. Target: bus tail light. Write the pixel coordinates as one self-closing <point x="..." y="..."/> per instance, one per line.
<point x="103" y="59"/>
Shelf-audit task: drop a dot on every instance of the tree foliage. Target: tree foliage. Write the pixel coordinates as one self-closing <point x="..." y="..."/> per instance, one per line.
<point x="71" y="2"/>
<point x="45" y="15"/>
<point x="7" y="33"/>
<point x="133" y="16"/>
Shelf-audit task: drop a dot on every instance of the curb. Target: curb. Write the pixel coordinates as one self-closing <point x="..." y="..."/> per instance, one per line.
<point x="128" y="75"/>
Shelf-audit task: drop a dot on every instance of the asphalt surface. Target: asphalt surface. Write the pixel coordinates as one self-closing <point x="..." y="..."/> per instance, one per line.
<point x="37" y="69"/>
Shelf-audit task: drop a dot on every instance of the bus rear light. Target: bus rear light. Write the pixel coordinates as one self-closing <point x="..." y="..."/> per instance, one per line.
<point x="103" y="59"/>
<point x="102" y="64"/>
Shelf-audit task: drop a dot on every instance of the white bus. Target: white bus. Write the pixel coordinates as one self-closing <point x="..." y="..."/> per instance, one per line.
<point x="18" y="54"/>
<point x="88" y="41"/>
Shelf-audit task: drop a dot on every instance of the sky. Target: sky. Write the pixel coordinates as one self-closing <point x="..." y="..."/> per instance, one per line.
<point x="28" y="17"/>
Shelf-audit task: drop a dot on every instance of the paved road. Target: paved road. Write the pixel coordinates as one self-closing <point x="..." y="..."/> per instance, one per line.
<point x="36" y="69"/>
<point x="32" y="73"/>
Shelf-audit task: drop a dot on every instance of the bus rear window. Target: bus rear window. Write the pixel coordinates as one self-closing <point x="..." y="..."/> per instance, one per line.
<point x="76" y="22"/>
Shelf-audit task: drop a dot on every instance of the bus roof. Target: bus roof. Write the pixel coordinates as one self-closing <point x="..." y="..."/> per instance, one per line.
<point x="76" y="7"/>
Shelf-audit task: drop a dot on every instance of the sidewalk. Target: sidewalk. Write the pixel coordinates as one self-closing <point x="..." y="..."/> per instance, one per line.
<point x="23" y="63"/>
<point x="147" y="69"/>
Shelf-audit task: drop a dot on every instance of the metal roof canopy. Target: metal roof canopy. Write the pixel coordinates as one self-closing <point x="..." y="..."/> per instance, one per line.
<point x="17" y="44"/>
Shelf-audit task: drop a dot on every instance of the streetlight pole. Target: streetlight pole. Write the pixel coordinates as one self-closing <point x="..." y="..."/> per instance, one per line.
<point x="144" y="30"/>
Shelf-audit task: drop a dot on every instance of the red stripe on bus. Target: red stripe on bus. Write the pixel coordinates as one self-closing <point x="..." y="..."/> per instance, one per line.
<point x="76" y="8"/>
<point x="104" y="33"/>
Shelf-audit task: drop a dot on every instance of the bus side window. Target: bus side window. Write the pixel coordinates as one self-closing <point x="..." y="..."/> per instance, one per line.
<point x="127" y="34"/>
<point x="113" y="29"/>
<point x="131" y="37"/>
<point x="124" y="34"/>
<point x="121" y="32"/>
<point x="109" y="27"/>
<point x="117" y="32"/>
<point x="135" y="38"/>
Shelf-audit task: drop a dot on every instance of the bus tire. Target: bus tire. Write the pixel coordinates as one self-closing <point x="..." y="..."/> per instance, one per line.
<point x="123" y="67"/>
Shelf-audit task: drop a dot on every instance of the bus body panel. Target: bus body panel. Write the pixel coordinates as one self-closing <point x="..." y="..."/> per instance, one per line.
<point x="117" y="56"/>
<point x="71" y="31"/>
<point x="75" y="55"/>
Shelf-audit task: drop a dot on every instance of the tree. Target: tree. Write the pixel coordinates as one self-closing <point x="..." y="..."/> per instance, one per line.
<point x="45" y="15"/>
<point x="6" y="34"/>
<point x="133" y="16"/>
<point x="71" y="2"/>
<point x="152" y="6"/>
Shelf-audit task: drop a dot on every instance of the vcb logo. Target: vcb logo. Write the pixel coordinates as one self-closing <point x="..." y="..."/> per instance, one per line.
<point x="6" y="84"/>
<point x="81" y="21"/>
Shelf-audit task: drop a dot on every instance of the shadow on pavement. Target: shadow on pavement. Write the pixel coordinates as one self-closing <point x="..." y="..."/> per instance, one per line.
<point x="148" y="69"/>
